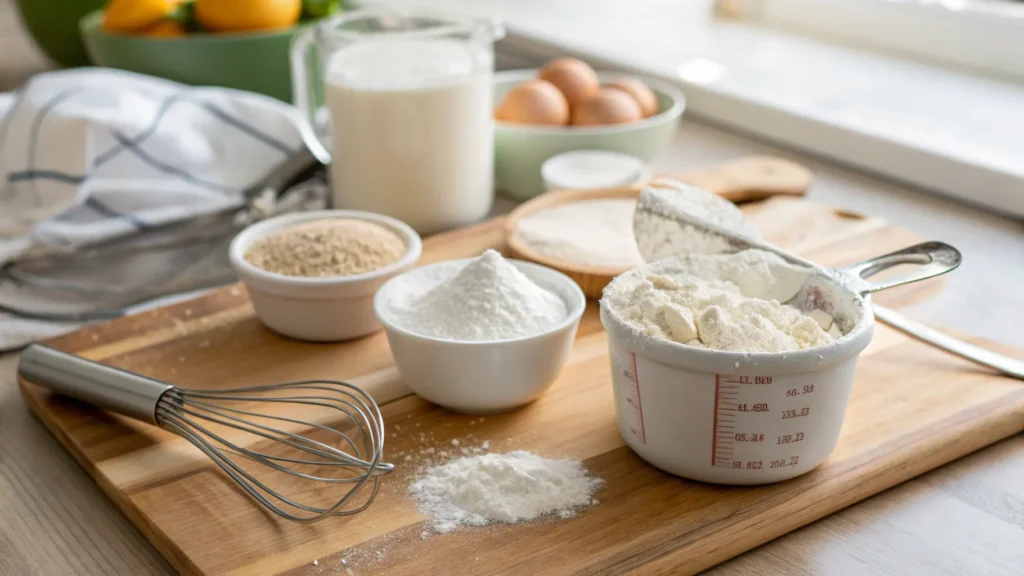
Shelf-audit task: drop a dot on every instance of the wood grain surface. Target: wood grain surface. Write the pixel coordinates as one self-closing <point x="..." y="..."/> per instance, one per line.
<point x="913" y="409"/>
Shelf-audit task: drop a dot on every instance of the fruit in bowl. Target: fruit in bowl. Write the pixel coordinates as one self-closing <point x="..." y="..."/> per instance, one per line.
<point x="242" y="44"/>
<point x="161" y="17"/>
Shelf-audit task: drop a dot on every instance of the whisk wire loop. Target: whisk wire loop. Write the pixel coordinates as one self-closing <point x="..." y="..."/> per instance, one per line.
<point x="184" y="411"/>
<point x="245" y="424"/>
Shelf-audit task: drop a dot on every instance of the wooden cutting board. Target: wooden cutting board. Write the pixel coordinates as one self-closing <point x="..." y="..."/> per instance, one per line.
<point x="913" y="409"/>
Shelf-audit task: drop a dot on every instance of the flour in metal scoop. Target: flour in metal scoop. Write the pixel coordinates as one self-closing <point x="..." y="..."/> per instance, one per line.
<point x="665" y="204"/>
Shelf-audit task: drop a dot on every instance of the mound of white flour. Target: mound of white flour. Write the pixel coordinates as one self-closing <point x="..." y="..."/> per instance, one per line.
<point x="501" y="488"/>
<point x="727" y="302"/>
<point x="485" y="299"/>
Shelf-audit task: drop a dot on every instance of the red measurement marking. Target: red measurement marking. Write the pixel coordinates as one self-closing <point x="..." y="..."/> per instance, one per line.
<point x="639" y="407"/>
<point x="714" y="437"/>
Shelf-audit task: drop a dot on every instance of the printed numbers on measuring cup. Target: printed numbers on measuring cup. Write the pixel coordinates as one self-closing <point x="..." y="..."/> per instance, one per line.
<point x="759" y="422"/>
<point x="790" y="438"/>
<point x="787" y="414"/>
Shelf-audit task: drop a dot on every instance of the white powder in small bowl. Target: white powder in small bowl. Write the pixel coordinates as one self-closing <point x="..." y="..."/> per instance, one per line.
<point x="487" y="298"/>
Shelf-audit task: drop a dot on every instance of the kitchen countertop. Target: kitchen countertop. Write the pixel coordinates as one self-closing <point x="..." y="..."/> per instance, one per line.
<point x="964" y="518"/>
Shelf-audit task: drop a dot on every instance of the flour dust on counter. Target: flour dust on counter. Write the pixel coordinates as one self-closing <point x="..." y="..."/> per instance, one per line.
<point x="502" y="489"/>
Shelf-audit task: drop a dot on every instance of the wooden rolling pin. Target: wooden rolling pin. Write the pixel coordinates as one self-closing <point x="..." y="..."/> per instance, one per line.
<point x="750" y="178"/>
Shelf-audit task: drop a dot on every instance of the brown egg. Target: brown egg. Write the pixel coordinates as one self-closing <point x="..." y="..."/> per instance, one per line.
<point x="573" y="77"/>
<point x="533" y="102"/>
<point x="643" y="95"/>
<point x="608" y="106"/>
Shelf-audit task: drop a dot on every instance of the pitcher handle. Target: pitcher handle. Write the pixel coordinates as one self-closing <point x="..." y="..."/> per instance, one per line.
<point x="933" y="258"/>
<point x="302" y="95"/>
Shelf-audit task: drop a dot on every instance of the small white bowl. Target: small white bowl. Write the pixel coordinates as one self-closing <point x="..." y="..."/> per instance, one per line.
<point x="323" y="309"/>
<point x="593" y="169"/>
<point x="482" y="376"/>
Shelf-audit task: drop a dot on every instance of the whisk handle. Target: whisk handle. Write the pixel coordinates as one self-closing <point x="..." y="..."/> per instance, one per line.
<point x="103" y="386"/>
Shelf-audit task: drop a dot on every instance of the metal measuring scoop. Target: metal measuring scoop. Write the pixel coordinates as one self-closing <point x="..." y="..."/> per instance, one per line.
<point x="664" y="221"/>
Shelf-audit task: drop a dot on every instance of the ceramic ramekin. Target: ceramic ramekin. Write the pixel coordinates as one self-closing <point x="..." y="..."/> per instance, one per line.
<point x="319" y="309"/>
<point x="482" y="376"/>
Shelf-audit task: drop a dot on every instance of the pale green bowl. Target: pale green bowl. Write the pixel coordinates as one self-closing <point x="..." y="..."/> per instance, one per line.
<point x="253" y="61"/>
<point x="519" y="150"/>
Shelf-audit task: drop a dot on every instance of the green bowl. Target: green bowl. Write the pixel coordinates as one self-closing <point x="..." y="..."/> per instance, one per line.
<point x="253" y="61"/>
<point x="519" y="150"/>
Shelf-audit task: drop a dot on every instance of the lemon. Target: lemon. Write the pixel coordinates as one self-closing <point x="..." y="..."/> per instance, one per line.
<point x="165" y="29"/>
<point x="135" y="15"/>
<point x="241" y="15"/>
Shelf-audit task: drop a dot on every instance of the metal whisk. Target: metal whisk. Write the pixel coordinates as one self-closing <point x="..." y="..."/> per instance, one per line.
<point x="288" y="453"/>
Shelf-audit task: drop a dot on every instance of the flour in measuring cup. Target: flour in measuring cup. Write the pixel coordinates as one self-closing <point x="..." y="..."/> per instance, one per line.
<point x="729" y="302"/>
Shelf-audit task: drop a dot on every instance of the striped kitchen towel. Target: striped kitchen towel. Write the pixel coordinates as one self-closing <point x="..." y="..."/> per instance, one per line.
<point x="91" y="154"/>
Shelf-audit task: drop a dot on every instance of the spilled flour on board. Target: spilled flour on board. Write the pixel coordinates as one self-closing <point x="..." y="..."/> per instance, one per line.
<point x="502" y="488"/>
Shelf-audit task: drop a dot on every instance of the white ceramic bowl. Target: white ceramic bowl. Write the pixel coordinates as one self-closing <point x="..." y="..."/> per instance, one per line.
<point x="593" y="169"/>
<point x="319" y="309"/>
<point x="483" y="376"/>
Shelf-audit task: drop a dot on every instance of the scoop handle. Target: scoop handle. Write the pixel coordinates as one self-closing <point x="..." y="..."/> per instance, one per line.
<point x="1003" y="364"/>
<point x="933" y="258"/>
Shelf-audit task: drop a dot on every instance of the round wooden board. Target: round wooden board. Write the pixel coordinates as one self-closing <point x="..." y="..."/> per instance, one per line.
<point x="741" y="180"/>
<point x="591" y="279"/>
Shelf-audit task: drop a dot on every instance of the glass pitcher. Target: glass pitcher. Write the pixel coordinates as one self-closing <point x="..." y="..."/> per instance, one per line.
<point x="398" y="103"/>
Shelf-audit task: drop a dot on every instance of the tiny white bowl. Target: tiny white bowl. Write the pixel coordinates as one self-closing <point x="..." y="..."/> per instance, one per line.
<point x="575" y="170"/>
<point x="482" y="376"/>
<point x="321" y="309"/>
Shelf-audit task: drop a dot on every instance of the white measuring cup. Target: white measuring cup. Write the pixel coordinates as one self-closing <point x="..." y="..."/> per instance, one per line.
<point x="752" y="418"/>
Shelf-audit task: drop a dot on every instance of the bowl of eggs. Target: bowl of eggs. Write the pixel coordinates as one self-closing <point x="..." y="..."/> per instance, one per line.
<point x="565" y="106"/>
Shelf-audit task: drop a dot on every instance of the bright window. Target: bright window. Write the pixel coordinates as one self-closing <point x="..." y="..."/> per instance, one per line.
<point x="981" y="36"/>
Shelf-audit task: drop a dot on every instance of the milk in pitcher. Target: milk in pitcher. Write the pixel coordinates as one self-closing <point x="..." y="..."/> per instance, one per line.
<point x="411" y="131"/>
